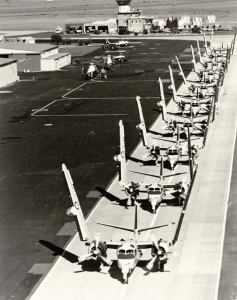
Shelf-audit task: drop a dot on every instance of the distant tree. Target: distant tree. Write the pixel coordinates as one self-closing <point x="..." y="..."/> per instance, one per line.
<point x="174" y="30"/>
<point x="145" y="31"/>
<point x="175" y="23"/>
<point x="168" y="23"/>
<point x="56" y="39"/>
<point x="196" y="29"/>
<point x="123" y="31"/>
<point x="88" y="42"/>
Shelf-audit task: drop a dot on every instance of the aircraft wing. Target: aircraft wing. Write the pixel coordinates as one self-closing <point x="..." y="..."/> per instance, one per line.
<point x="145" y="245"/>
<point x="141" y="245"/>
<point x="113" y="245"/>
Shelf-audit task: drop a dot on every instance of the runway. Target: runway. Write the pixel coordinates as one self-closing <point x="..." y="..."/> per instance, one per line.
<point x="195" y="274"/>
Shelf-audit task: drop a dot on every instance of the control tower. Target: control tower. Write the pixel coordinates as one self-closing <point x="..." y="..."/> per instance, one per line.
<point x="124" y="6"/>
<point x="125" y="12"/>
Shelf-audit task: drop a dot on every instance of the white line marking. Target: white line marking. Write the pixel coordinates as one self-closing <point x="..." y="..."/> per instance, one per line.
<point x="85" y="115"/>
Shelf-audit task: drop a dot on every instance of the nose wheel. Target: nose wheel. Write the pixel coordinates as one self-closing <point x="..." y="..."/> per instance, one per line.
<point x="125" y="281"/>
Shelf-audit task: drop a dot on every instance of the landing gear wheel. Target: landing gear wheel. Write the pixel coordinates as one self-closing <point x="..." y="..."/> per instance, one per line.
<point x="125" y="281"/>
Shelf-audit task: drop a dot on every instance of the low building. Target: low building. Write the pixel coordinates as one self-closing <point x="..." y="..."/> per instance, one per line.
<point x="35" y="57"/>
<point x="139" y="23"/>
<point x="26" y="39"/>
<point x="2" y="38"/>
<point x="8" y="71"/>
<point x="74" y="28"/>
<point x="109" y="26"/>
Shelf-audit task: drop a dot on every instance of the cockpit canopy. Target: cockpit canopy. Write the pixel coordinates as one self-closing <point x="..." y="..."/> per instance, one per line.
<point x="172" y="151"/>
<point x="156" y="190"/>
<point x="126" y="253"/>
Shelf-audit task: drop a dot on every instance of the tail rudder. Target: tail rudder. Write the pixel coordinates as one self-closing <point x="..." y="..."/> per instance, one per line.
<point x="161" y="168"/>
<point x="178" y="135"/>
<point x="121" y="157"/>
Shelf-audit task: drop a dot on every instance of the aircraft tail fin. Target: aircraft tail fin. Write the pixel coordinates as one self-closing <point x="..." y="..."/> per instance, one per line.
<point x="121" y="157"/>
<point x="161" y="168"/>
<point x="178" y="135"/>
<point x="142" y="125"/>
<point x="75" y="210"/>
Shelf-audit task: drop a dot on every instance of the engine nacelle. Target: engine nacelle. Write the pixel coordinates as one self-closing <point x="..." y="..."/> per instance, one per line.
<point x="118" y="157"/>
<point x="140" y="126"/>
<point x="101" y="249"/>
<point x="163" y="248"/>
<point x="131" y="189"/>
<point x="71" y="211"/>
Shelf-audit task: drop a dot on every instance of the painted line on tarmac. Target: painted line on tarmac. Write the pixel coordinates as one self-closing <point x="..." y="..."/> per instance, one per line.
<point x="43" y="108"/>
<point x="83" y="115"/>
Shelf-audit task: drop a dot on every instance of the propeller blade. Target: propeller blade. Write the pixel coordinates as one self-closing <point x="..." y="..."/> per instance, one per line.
<point x="97" y="240"/>
<point x="84" y="257"/>
<point x="154" y="240"/>
<point x="150" y="264"/>
<point x="106" y="260"/>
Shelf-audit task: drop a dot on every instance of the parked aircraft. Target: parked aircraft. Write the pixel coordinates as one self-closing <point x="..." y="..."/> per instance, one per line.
<point x="120" y="57"/>
<point x="155" y="191"/>
<point x="153" y="150"/>
<point x="129" y="250"/>
<point x="109" y="63"/>
<point x="120" y="43"/>
<point x="91" y="71"/>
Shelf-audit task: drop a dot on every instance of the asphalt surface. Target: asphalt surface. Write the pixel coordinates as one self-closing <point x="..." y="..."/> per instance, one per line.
<point x="33" y="192"/>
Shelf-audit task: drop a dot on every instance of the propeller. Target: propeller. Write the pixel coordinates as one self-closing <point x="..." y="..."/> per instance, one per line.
<point x="97" y="250"/>
<point x="150" y="264"/>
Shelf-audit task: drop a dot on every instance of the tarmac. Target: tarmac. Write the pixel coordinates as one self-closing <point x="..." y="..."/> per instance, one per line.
<point x="195" y="274"/>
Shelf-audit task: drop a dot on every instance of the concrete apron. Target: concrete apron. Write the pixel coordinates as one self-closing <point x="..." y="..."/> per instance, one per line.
<point x="202" y="233"/>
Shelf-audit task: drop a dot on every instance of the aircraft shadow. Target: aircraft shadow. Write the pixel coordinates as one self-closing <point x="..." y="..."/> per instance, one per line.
<point x="58" y="251"/>
<point x="144" y="162"/>
<point x="153" y="132"/>
<point x="145" y="205"/>
<point x="115" y="272"/>
<point x="142" y="265"/>
<point x="194" y="81"/>
<point x="111" y="197"/>
<point x="108" y="195"/>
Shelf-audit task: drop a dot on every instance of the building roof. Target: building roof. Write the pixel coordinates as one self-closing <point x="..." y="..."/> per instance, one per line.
<point x="57" y="56"/>
<point x="25" y="38"/>
<point x="6" y="61"/>
<point x="25" y="47"/>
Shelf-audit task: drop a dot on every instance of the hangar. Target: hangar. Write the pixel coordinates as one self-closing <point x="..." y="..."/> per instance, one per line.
<point x="8" y="71"/>
<point x="35" y="57"/>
